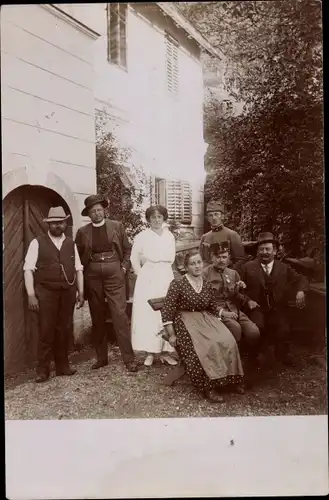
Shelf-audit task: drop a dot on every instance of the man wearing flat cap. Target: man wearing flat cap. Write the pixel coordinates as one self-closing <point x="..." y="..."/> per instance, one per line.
<point x="52" y="275"/>
<point x="269" y="285"/>
<point x="219" y="233"/>
<point x="105" y="254"/>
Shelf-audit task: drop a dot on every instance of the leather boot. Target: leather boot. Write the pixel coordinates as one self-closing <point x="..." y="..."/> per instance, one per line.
<point x="213" y="396"/>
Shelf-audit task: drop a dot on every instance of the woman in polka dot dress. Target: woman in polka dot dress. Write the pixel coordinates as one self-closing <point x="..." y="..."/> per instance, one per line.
<point x="205" y="345"/>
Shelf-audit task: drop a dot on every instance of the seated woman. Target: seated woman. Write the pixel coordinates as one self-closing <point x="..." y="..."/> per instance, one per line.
<point x="205" y="345"/>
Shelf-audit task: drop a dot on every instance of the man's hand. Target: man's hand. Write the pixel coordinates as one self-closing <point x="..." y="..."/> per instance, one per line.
<point x="252" y="304"/>
<point x="300" y="300"/>
<point x="229" y="315"/>
<point x="80" y="300"/>
<point x="240" y="285"/>
<point x="33" y="303"/>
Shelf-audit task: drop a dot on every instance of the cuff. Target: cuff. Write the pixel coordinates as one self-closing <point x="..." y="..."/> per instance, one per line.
<point x="167" y="323"/>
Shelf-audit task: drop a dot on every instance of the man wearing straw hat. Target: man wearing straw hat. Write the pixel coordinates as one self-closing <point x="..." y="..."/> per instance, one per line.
<point x="52" y="275"/>
<point x="220" y="233"/>
<point x="105" y="254"/>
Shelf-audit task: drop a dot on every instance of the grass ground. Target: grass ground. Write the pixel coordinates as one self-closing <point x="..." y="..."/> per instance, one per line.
<point x="112" y="392"/>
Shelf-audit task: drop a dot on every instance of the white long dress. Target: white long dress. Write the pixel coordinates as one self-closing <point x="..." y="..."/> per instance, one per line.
<point x="151" y="257"/>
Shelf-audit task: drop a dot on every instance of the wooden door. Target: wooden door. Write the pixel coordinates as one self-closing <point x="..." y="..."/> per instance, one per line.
<point x="24" y="210"/>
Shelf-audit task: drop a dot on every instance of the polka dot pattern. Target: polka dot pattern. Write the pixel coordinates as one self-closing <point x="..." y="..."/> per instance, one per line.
<point x="181" y="296"/>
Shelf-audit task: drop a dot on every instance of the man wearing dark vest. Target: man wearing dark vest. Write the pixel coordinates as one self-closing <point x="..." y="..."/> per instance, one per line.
<point x="269" y="285"/>
<point x="105" y="254"/>
<point x="218" y="234"/>
<point x="52" y="275"/>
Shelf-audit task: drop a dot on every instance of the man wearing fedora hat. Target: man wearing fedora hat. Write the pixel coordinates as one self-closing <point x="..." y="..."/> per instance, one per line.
<point x="270" y="283"/>
<point x="52" y="275"/>
<point x="105" y="254"/>
<point x="220" y="233"/>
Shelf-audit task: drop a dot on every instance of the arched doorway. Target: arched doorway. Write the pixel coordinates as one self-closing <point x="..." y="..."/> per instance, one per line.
<point x="24" y="209"/>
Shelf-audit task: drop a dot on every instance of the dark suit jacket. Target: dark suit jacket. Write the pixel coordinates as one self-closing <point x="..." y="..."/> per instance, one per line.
<point x="286" y="282"/>
<point x="116" y="235"/>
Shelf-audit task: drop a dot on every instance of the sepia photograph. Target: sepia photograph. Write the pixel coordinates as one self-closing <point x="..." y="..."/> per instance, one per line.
<point x="163" y="244"/>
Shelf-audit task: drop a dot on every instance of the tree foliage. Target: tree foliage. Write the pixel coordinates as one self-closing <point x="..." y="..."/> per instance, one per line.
<point x="125" y="203"/>
<point x="267" y="163"/>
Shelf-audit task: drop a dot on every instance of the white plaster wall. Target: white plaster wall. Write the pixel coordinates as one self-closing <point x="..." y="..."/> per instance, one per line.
<point x="164" y="131"/>
<point x="47" y="99"/>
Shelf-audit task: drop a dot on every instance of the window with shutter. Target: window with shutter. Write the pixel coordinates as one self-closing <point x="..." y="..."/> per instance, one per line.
<point x="117" y="33"/>
<point x="176" y="196"/>
<point x="172" y="64"/>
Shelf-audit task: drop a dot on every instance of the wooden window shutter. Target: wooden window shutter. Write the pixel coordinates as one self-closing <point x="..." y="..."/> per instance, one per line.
<point x="176" y="196"/>
<point x="172" y="64"/>
<point x="117" y="33"/>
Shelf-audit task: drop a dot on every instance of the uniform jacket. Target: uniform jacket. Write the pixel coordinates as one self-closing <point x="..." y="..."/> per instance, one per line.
<point x="218" y="236"/>
<point x="224" y="284"/>
<point x="285" y="282"/>
<point x="117" y="237"/>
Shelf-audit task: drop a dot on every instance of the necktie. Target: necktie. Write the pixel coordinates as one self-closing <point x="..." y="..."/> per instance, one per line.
<point x="267" y="269"/>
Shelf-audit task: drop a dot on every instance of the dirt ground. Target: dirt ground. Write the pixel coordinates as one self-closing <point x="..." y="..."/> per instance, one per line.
<point x="112" y="392"/>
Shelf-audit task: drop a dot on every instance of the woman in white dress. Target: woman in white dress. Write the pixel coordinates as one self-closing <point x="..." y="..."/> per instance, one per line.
<point x="152" y="255"/>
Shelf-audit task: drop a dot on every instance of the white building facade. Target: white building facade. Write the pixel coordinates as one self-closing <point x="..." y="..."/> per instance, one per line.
<point x="60" y="65"/>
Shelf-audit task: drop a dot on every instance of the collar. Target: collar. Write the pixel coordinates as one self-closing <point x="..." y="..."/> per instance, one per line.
<point x="99" y="224"/>
<point x="270" y="265"/>
<point x="216" y="229"/>
<point x="56" y="238"/>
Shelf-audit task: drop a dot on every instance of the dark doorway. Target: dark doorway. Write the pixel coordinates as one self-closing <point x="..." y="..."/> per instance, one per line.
<point x="24" y="210"/>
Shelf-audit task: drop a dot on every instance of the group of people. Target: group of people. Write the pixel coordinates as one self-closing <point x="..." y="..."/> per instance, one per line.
<point x="221" y="308"/>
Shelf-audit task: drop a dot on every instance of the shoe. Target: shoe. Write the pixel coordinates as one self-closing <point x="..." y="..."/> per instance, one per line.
<point x="165" y="358"/>
<point x="213" y="396"/>
<point x="99" y="364"/>
<point x="43" y="377"/>
<point x="68" y="372"/>
<point x="238" y="389"/>
<point x="149" y="360"/>
<point x="287" y="359"/>
<point x="132" y="366"/>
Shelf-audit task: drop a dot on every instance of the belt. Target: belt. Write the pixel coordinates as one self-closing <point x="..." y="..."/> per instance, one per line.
<point x="102" y="257"/>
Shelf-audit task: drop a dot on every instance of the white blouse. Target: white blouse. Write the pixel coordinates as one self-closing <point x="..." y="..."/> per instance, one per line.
<point x="148" y="246"/>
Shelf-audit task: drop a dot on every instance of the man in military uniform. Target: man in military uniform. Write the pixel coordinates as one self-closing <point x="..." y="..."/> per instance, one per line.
<point x="220" y="233"/>
<point x="228" y="287"/>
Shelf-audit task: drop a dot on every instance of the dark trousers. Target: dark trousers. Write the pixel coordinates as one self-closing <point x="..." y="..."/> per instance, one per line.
<point x="274" y="327"/>
<point x="55" y="319"/>
<point x="106" y="280"/>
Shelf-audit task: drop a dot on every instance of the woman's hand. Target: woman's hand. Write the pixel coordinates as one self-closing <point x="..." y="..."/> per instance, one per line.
<point x="172" y="340"/>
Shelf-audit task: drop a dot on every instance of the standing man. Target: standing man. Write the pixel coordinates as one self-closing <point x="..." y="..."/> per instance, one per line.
<point x="105" y="254"/>
<point x="52" y="275"/>
<point x="269" y="285"/>
<point x="220" y="233"/>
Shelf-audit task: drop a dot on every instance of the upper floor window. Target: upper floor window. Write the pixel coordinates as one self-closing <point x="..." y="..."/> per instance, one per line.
<point x="172" y="64"/>
<point x="117" y="33"/>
